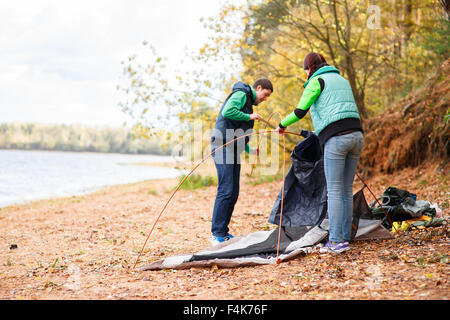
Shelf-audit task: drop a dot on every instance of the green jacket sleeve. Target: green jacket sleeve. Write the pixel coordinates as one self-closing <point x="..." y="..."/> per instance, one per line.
<point x="232" y="110"/>
<point x="234" y="105"/>
<point x="310" y="94"/>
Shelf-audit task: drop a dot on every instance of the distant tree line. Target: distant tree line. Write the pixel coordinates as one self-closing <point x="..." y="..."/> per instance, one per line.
<point x="78" y="138"/>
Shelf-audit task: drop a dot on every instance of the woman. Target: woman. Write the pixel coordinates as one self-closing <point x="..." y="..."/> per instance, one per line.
<point x="337" y="123"/>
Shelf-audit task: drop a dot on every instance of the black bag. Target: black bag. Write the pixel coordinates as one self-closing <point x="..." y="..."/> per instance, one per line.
<point x="393" y="196"/>
<point x="392" y="202"/>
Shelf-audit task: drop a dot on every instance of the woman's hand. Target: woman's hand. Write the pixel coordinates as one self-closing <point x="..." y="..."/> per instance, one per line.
<point x="280" y="131"/>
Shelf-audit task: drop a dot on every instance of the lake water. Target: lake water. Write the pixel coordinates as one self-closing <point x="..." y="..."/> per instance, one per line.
<point x="32" y="175"/>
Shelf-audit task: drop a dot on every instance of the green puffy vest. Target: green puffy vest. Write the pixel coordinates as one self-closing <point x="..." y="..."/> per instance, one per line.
<point x="336" y="102"/>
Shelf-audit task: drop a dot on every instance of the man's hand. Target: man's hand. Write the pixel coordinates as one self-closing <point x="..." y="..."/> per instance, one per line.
<point x="280" y="131"/>
<point x="255" y="116"/>
<point x="255" y="152"/>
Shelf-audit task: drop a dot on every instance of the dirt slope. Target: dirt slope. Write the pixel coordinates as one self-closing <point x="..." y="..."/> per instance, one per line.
<point x="411" y="132"/>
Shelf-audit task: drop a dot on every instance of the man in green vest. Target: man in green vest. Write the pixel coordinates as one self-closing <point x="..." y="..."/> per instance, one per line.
<point x="236" y="118"/>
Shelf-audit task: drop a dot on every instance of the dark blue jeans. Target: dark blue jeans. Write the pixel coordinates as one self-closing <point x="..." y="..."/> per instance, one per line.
<point x="227" y="194"/>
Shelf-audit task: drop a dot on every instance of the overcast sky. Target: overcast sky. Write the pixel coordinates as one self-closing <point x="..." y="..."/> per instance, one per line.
<point x="60" y="60"/>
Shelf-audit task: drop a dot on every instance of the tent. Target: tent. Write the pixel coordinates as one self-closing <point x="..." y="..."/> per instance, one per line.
<point x="304" y="223"/>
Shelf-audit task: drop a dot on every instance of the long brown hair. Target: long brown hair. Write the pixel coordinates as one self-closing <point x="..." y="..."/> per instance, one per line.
<point x="313" y="61"/>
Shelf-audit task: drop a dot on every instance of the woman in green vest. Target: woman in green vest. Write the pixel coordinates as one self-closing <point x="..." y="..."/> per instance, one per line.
<point x="337" y="123"/>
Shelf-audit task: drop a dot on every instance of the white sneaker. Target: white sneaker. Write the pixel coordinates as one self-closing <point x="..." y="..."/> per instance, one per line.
<point x="216" y="239"/>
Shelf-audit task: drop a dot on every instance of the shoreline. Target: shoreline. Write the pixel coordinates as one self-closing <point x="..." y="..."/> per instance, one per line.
<point x="154" y="184"/>
<point x="96" y="190"/>
<point x="157" y="162"/>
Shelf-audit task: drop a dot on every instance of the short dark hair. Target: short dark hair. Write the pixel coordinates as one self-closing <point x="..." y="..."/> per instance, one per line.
<point x="264" y="83"/>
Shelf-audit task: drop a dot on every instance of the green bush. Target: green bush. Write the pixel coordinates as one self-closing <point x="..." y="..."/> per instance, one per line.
<point x="259" y="179"/>
<point x="196" y="181"/>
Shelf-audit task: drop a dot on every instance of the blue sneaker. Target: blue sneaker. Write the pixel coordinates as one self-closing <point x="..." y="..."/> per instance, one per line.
<point x="335" y="247"/>
<point x="216" y="239"/>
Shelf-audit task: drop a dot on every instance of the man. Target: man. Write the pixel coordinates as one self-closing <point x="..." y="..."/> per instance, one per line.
<point x="236" y="118"/>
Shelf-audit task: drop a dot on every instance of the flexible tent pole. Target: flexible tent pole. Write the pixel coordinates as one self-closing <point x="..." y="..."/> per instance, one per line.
<point x="282" y="199"/>
<point x="179" y="185"/>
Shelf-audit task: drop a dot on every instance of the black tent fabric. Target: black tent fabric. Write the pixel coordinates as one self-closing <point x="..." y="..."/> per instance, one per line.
<point x="361" y="210"/>
<point x="305" y="189"/>
<point x="304" y="223"/>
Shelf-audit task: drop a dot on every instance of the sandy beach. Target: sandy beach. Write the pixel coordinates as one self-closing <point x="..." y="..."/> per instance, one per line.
<point x="84" y="247"/>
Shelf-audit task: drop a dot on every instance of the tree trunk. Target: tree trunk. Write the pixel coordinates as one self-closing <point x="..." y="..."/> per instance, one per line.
<point x="446" y="6"/>
<point x="357" y="92"/>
